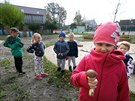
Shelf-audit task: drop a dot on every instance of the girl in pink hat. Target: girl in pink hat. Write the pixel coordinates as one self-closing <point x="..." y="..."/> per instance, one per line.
<point x="111" y="83"/>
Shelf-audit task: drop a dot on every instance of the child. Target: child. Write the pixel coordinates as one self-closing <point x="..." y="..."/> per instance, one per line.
<point x="38" y="48"/>
<point x="111" y="83"/>
<point x="124" y="47"/>
<point x="73" y="52"/>
<point x="14" y="42"/>
<point x="61" y="48"/>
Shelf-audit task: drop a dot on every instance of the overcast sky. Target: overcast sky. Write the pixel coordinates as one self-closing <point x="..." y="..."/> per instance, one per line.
<point x="100" y="10"/>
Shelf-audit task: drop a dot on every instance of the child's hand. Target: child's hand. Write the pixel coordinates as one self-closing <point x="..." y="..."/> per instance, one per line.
<point x="92" y="82"/>
<point x="8" y="36"/>
<point x="61" y="54"/>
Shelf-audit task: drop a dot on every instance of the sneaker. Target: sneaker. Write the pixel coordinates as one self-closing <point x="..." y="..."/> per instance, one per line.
<point x="62" y="71"/>
<point x="74" y="67"/>
<point x="44" y="75"/>
<point x="70" y="68"/>
<point x="21" y="73"/>
<point x="38" y="77"/>
<point x="58" y="69"/>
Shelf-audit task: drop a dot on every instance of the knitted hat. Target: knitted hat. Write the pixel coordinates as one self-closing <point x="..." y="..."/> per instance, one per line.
<point x="14" y="29"/>
<point x="107" y="33"/>
<point x="62" y="34"/>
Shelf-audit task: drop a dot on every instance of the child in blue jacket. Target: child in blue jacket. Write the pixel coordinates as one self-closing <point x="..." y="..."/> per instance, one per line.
<point x="61" y="48"/>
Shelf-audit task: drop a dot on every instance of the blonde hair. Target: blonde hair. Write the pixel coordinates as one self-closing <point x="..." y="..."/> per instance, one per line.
<point x="36" y="35"/>
<point x="71" y="34"/>
<point x="125" y="43"/>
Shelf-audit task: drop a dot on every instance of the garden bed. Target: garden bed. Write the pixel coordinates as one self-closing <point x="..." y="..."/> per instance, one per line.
<point x="125" y="39"/>
<point x="88" y="37"/>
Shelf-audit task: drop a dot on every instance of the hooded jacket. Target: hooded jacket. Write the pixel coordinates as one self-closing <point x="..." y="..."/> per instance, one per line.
<point x="15" y="44"/>
<point x="129" y="64"/>
<point x="112" y="78"/>
<point x="38" y="48"/>
<point x="61" y="47"/>
<point x="73" y="49"/>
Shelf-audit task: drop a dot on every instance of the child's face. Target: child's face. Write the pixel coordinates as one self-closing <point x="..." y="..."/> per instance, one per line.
<point x="71" y="38"/>
<point x="104" y="48"/>
<point x="37" y="39"/>
<point x="13" y="33"/>
<point x="123" y="48"/>
<point x="61" y="38"/>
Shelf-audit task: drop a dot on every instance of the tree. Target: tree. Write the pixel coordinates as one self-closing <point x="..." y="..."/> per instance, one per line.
<point x="52" y="10"/>
<point x="51" y="25"/>
<point x="10" y="15"/>
<point x="55" y="13"/>
<point x="73" y="26"/>
<point x="61" y="16"/>
<point x="78" y="18"/>
<point x="116" y="11"/>
<point x="34" y="27"/>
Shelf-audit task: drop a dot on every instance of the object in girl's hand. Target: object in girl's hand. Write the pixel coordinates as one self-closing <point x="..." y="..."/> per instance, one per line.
<point x="92" y="75"/>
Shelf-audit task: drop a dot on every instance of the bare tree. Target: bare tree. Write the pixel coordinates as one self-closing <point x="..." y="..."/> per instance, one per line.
<point x="116" y="10"/>
<point x="54" y="12"/>
<point x="78" y="18"/>
<point x="61" y="16"/>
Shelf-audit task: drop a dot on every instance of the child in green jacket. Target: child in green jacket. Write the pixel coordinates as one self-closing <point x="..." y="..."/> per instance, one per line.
<point x="14" y="42"/>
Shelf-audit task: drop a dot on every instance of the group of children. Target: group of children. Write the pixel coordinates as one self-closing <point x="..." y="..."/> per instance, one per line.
<point x="37" y="47"/>
<point x="66" y="50"/>
<point x="106" y="58"/>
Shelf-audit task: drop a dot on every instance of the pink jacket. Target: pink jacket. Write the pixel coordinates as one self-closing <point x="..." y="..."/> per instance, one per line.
<point x="112" y="77"/>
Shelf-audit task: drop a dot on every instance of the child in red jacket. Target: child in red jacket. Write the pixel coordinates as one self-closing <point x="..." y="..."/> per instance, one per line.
<point x="111" y="83"/>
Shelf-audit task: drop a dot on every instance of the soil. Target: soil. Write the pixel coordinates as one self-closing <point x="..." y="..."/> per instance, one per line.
<point x="31" y="89"/>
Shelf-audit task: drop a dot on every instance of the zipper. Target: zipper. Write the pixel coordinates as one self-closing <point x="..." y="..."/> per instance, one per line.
<point x="60" y="46"/>
<point x="101" y="75"/>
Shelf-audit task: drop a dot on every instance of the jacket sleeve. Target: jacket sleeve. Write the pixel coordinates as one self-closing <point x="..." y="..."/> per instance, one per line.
<point x="16" y="44"/>
<point x="67" y="49"/>
<point x="78" y="77"/>
<point x="30" y="49"/>
<point x="55" y="48"/>
<point x="20" y="44"/>
<point x="5" y="44"/>
<point x="76" y="55"/>
<point x="44" y="46"/>
<point x="130" y="66"/>
<point x="123" y="89"/>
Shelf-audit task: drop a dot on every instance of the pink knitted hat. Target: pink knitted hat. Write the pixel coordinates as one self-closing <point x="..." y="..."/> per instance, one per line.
<point x="107" y="33"/>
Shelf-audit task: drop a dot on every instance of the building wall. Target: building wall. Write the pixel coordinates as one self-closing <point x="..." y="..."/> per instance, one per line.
<point x="29" y="18"/>
<point x="33" y="15"/>
<point x="127" y="25"/>
<point x="78" y="29"/>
